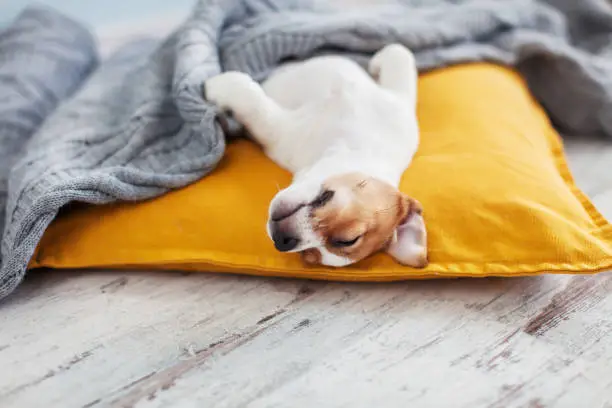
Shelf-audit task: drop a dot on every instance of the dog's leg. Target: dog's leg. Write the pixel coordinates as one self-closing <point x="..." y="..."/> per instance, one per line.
<point x="395" y="69"/>
<point x="239" y="93"/>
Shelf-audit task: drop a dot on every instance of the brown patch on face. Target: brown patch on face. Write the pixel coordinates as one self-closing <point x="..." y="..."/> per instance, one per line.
<point x="311" y="256"/>
<point x="362" y="215"/>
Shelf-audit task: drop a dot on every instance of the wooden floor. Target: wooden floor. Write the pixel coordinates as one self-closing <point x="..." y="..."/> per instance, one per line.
<point x="99" y="339"/>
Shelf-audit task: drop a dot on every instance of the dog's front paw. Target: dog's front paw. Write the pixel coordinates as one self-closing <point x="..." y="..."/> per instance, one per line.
<point x="394" y="56"/>
<point x="227" y="89"/>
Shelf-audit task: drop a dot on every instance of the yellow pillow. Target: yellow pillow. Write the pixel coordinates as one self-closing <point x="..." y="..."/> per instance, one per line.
<point x="490" y="173"/>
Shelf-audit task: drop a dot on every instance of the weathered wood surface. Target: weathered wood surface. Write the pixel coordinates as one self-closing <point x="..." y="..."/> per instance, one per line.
<point x="99" y="339"/>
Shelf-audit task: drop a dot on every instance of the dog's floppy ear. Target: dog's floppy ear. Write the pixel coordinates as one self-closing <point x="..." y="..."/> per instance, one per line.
<point x="409" y="243"/>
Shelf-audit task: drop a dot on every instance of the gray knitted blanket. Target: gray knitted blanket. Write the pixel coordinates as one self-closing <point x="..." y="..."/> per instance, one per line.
<point x="136" y="126"/>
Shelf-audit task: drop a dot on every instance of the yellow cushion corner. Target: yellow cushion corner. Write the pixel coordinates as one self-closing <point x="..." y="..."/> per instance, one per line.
<point x="491" y="174"/>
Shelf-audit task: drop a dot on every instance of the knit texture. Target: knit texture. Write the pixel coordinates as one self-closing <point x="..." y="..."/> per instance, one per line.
<point x="139" y="126"/>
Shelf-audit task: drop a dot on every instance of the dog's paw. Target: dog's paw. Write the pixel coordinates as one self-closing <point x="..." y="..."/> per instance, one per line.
<point x="392" y="55"/>
<point x="227" y="89"/>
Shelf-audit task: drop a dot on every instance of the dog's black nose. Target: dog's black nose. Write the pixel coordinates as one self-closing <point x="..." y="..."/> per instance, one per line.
<point x="284" y="242"/>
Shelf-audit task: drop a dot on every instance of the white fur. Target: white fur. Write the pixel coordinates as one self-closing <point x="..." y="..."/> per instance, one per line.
<point x="327" y="116"/>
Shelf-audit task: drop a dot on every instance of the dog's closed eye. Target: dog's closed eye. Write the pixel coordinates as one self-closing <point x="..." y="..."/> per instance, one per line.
<point x="322" y="199"/>
<point x="342" y="243"/>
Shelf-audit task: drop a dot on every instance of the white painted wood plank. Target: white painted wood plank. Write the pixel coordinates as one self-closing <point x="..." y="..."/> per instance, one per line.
<point x="461" y="341"/>
<point x="69" y="338"/>
<point x="591" y="164"/>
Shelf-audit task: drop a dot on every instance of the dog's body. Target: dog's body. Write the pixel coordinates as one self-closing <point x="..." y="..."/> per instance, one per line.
<point x="347" y="136"/>
<point x="340" y="122"/>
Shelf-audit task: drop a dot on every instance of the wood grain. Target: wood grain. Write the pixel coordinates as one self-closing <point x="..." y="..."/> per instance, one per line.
<point x="205" y="340"/>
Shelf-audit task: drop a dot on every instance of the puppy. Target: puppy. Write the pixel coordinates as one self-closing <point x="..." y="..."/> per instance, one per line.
<point x="347" y="136"/>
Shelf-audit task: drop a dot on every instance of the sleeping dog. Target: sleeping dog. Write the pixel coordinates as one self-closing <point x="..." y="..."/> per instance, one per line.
<point x="347" y="136"/>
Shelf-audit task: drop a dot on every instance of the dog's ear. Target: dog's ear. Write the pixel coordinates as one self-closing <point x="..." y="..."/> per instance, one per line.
<point x="409" y="243"/>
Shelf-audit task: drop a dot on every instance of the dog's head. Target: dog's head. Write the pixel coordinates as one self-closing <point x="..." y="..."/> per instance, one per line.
<point x="346" y="219"/>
